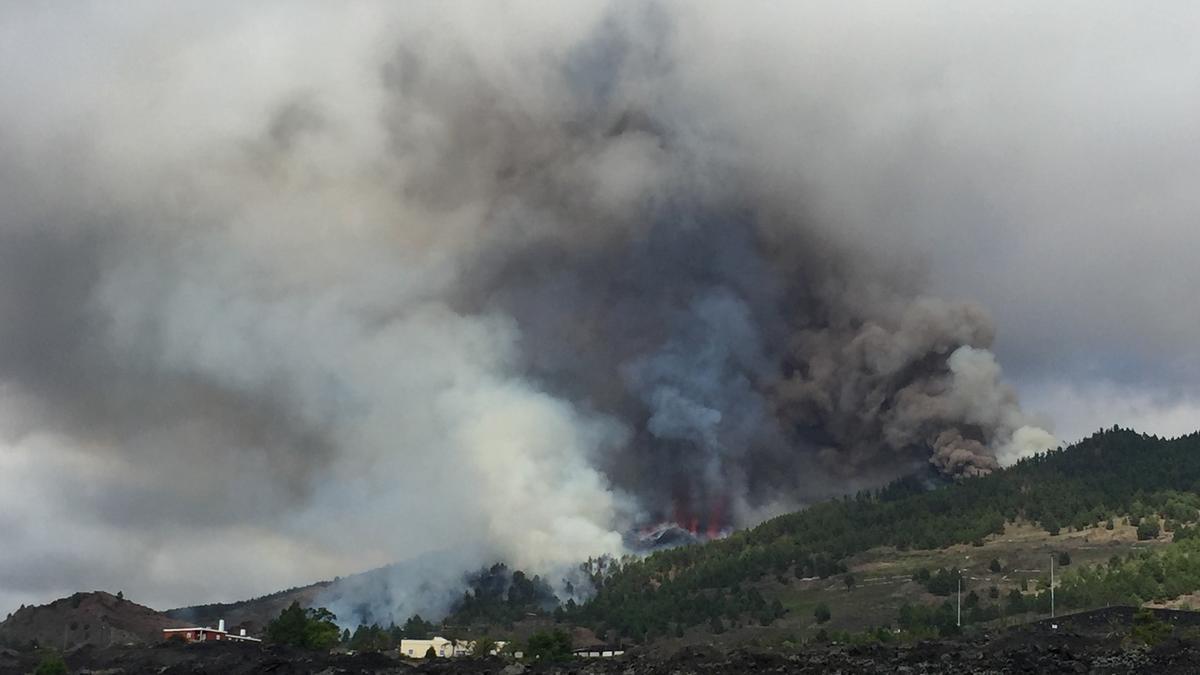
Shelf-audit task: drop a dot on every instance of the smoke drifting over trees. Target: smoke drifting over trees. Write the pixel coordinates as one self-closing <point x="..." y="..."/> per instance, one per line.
<point x="362" y="285"/>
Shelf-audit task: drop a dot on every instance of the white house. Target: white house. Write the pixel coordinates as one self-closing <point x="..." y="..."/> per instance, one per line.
<point x="416" y="649"/>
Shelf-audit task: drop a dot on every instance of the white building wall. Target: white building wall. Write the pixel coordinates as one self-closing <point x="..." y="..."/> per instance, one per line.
<point x="444" y="648"/>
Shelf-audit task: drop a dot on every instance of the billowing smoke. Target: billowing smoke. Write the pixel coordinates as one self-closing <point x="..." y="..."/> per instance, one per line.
<point x="373" y="284"/>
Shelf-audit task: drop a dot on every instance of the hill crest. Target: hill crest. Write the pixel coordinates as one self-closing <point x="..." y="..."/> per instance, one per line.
<point x="97" y="618"/>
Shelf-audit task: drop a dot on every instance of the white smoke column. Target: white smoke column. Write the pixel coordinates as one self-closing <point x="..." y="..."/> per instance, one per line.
<point x="990" y="404"/>
<point x="529" y="454"/>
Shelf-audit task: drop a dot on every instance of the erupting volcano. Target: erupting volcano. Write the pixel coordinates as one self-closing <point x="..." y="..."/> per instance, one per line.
<point x="704" y="517"/>
<point x="685" y="525"/>
<point x="531" y="294"/>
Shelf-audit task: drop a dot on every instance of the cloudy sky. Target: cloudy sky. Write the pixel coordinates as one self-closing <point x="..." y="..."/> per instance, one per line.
<point x="262" y="316"/>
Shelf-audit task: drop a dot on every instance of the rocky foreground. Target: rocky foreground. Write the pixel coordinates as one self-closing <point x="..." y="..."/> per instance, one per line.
<point x="1064" y="653"/>
<point x="1099" y="641"/>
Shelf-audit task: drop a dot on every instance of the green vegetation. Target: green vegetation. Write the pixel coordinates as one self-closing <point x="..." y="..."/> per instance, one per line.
<point x="928" y="620"/>
<point x="821" y="613"/>
<point x="1112" y="474"/>
<point x="1148" y="629"/>
<point x="876" y="635"/>
<point x="417" y="628"/>
<point x="944" y="582"/>
<point x="374" y="638"/>
<point x="51" y="664"/>
<point x="377" y="638"/>
<point x="1140" y="577"/>
<point x="484" y="646"/>
<point x="312" y="628"/>
<point x="1147" y="529"/>
<point x="498" y="597"/>
<point x="549" y="646"/>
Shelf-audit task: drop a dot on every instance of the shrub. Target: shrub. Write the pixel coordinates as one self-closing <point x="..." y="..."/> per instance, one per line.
<point x="1148" y="629"/>
<point x="821" y="613"/>
<point x="549" y="646"/>
<point x="1147" y="529"/>
<point x="484" y="647"/>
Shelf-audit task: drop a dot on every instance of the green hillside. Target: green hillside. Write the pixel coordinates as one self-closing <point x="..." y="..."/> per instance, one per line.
<point x="1113" y="475"/>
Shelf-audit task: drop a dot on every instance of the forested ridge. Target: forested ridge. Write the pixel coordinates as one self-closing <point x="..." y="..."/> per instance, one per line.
<point x="1114" y="473"/>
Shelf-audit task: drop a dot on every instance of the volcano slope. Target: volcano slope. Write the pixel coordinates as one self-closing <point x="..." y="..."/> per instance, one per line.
<point x="762" y="585"/>
<point x="1055" y="502"/>
<point x="95" y="618"/>
<point x="888" y="562"/>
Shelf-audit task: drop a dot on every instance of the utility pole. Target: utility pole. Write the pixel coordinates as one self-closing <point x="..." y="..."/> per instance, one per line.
<point x="959" y="620"/>
<point x="1051" y="585"/>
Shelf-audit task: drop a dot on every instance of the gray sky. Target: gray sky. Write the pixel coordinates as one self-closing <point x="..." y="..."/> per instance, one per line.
<point x="242" y="340"/>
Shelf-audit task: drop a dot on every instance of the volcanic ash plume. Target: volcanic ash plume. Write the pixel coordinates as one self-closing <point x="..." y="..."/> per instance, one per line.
<point x="367" y="290"/>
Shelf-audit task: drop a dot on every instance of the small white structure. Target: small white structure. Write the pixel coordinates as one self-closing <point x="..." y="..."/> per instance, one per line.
<point x="598" y="652"/>
<point x="204" y="634"/>
<point x="416" y="649"/>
